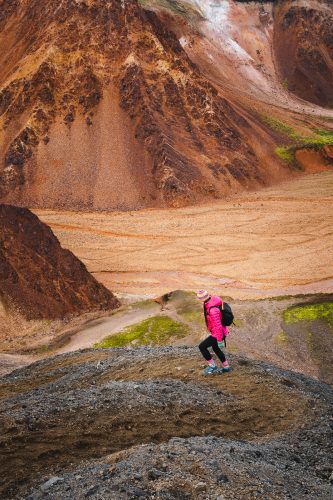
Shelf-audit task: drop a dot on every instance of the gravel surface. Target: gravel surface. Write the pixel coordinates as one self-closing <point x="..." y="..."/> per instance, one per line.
<point x="144" y="422"/>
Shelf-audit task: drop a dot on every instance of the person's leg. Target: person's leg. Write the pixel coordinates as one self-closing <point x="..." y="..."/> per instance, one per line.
<point x="206" y="354"/>
<point x="204" y="348"/>
<point x="220" y="354"/>
<point x="217" y="350"/>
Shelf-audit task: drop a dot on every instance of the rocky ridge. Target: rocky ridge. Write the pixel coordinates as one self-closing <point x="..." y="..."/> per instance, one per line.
<point x="256" y="432"/>
<point x="40" y="278"/>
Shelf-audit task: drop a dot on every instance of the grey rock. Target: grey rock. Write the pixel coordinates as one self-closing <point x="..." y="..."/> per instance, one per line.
<point x="138" y="493"/>
<point x="51" y="482"/>
<point x="154" y="474"/>
<point x="199" y="487"/>
<point x="92" y="491"/>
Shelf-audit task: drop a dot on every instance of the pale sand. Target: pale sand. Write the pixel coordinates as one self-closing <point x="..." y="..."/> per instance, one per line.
<point x="272" y="242"/>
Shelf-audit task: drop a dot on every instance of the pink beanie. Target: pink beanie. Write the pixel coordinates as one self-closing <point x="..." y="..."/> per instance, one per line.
<point x="203" y="295"/>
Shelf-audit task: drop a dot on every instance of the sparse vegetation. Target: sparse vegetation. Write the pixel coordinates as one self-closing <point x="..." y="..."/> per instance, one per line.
<point x="190" y="310"/>
<point x="279" y="126"/>
<point x="157" y="330"/>
<point x="321" y="138"/>
<point x="311" y="342"/>
<point x="285" y="153"/>
<point x="238" y="323"/>
<point x="194" y="317"/>
<point x="309" y="312"/>
<point x="285" y="83"/>
<point x="143" y="304"/>
<point x="281" y="337"/>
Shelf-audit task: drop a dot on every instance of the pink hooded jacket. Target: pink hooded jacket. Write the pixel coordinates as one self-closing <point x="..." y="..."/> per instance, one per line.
<point x="214" y="318"/>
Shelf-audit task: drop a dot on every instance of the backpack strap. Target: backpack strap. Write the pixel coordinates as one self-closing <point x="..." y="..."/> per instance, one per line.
<point x="205" y="315"/>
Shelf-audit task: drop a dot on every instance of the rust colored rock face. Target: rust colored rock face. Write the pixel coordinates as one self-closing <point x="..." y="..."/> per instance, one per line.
<point x="304" y="49"/>
<point x="78" y="66"/>
<point x="128" y="104"/>
<point x="38" y="276"/>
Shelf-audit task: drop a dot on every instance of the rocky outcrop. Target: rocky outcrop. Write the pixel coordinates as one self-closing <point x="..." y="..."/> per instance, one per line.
<point x="109" y="423"/>
<point x="40" y="278"/>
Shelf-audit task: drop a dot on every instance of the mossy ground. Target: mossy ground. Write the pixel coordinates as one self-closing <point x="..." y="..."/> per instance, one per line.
<point x="309" y="312"/>
<point x="281" y="337"/>
<point x="285" y="153"/>
<point x="157" y="330"/>
<point x="308" y="329"/>
<point x="317" y="140"/>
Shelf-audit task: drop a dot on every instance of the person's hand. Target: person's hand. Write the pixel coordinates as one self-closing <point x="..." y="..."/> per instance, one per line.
<point x="220" y="344"/>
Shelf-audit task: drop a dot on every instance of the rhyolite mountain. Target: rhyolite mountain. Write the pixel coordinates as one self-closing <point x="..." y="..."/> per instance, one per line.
<point x="40" y="278"/>
<point x="109" y="104"/>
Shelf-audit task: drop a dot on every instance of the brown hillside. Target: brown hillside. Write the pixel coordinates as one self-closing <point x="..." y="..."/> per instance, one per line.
<point x="38" y="276"/>
<point x="124" y="104"/>
<point x="304" y="49"/>
<point x="102" y="108"/>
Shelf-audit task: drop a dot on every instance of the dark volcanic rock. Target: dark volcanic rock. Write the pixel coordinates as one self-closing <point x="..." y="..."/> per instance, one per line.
<point x="38" y="276"/>
<point x="147" y="424"/>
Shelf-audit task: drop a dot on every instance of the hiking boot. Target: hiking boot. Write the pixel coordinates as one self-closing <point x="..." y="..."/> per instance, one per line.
<point x="210" y="370"/>
<point x="225" y="367"/>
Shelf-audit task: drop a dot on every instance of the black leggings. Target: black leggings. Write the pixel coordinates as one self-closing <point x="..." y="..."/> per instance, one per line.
<point x="211" y="342"/>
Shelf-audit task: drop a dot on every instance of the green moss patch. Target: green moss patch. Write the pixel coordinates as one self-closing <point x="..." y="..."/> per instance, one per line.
<point x="285" y="153"/>
<point x="157" y="330"/>
<point x="281" y="337"/>
<point x="309" y="312"/>
<point x="280" y="126"/>
<point x="317" y="140"/>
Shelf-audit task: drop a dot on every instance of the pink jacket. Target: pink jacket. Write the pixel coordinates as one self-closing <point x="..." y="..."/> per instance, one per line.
<point x="214" y="318"/>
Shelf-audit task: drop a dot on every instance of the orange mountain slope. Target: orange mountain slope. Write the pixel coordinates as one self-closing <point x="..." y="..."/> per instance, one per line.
<point x="126" y="104"/>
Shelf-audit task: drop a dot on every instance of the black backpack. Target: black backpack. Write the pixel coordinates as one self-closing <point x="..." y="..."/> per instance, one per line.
<point x="227" y="314"/>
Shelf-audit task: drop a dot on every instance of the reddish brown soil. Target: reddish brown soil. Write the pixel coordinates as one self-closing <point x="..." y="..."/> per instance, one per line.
<point x="39" y="277"/>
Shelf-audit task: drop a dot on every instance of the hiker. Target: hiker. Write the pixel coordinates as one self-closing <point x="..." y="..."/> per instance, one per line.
<point x="213" y="318"/>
